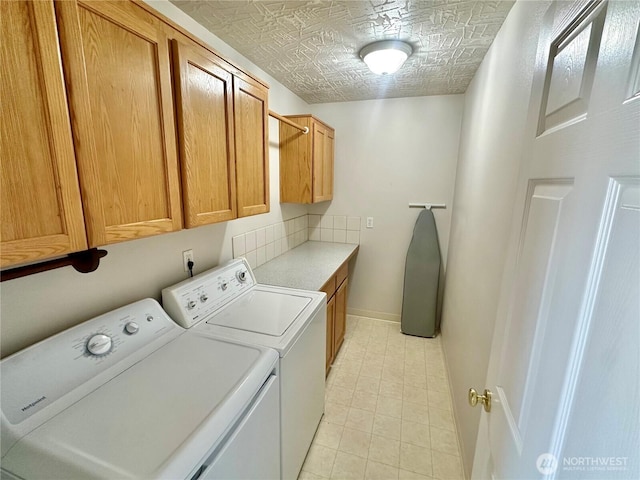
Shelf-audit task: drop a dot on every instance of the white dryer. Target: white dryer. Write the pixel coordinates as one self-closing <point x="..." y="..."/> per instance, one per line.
<point x="130" y="395"/>
<point x="227" y="303"/>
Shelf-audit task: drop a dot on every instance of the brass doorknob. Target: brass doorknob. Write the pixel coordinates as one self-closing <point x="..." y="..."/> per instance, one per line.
<point x="485" y="399"/>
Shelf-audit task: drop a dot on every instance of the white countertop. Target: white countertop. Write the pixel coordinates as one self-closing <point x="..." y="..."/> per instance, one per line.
<point x="307" y="267"/>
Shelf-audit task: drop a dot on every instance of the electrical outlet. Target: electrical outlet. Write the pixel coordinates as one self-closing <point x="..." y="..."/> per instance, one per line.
<point x="369" y="222"/>
<point x="187" y="256"/>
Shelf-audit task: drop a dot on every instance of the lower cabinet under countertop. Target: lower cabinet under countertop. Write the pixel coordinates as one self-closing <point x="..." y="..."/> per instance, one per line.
<point x="319" y="266"/>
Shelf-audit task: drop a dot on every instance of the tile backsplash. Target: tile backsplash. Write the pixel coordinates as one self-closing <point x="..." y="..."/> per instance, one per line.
<point x="334" y="228"/>
<point x="266" y="243"/>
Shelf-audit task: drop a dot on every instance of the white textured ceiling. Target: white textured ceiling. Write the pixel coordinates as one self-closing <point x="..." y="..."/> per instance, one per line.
<point x="312" y="46"/>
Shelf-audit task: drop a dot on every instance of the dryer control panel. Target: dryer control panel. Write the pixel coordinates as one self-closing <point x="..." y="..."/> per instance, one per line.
<point x="193" y="300"/>
<point x="40" y="375"/>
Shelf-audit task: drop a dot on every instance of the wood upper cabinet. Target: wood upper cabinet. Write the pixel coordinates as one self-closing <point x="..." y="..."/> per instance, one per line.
<point x="89" y="138"/>
<point x="223" y="138"/>
<point x="251" y="146"/>
<point x="306" y="161"/>
<point x="117" y="69"/>
<point x="204" y="105"/>
<point x="41" y="206"/>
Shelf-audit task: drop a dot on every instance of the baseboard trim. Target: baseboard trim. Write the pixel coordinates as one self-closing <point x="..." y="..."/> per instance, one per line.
<point x="391" y="317"/>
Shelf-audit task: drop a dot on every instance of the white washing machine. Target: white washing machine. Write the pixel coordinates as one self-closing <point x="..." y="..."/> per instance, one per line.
<point x="226" y="302"/>
<point x="130" y="395"/>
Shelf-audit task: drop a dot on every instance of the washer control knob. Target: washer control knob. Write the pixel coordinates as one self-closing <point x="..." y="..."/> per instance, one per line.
<point x="224" y="286"/>
<point x="204" y="298"/>
<point x="99" y="344"/>
<point x="131" y="328"/>
<point x="191" y="304"/>
<point x="241" y="275"/>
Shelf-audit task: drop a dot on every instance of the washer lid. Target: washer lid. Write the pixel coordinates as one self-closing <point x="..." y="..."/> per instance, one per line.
<point x="260" y="311"/>
<point x="158" y="419"/>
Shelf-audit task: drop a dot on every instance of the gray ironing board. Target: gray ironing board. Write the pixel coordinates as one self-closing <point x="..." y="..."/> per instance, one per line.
<point x="420" y="312"/>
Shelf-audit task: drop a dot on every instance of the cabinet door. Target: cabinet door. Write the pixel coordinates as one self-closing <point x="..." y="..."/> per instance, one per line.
<point x="319" y="145"/>
<point x="327" y="170"/>
<point x="331" y="311"/>
<point x="41" y="206"/>
<point x="204" y="100"/>
<point x="323" y="143"/>
<point x="252" y="141"/>
<point x="296" y="175"/>
<point x="116" y="60"/>
<point x="340" y="322"/>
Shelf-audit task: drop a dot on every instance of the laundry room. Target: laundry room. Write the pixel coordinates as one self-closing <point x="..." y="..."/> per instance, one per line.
<point x="394" y="260"/>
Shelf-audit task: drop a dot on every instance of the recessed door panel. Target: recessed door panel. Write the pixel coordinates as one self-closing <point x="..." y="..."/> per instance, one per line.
<point x="536" y="266"/>
<point x="573" y="57"/>
<point x="611" y="313"/>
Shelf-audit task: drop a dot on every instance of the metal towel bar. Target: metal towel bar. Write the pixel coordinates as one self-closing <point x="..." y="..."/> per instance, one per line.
<point x="428" y="206"/>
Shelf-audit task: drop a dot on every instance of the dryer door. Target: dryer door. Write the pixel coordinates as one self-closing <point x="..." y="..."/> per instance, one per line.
<point x="258" y="432"/>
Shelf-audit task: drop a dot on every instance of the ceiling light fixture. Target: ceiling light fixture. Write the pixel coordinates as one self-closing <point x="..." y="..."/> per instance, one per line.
<point x="386" y="56"/>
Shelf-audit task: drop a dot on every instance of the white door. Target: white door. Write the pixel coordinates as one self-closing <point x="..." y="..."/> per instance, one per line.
<point x="565" y="360"/>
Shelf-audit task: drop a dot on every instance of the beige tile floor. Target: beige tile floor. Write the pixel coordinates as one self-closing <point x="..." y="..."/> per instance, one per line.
<point x="387" y="409"/>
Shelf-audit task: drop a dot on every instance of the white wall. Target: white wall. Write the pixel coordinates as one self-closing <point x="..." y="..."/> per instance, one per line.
<point x="495" y="113"/>
<point x="40" y="305"/>
<point x="389" y="153"/>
